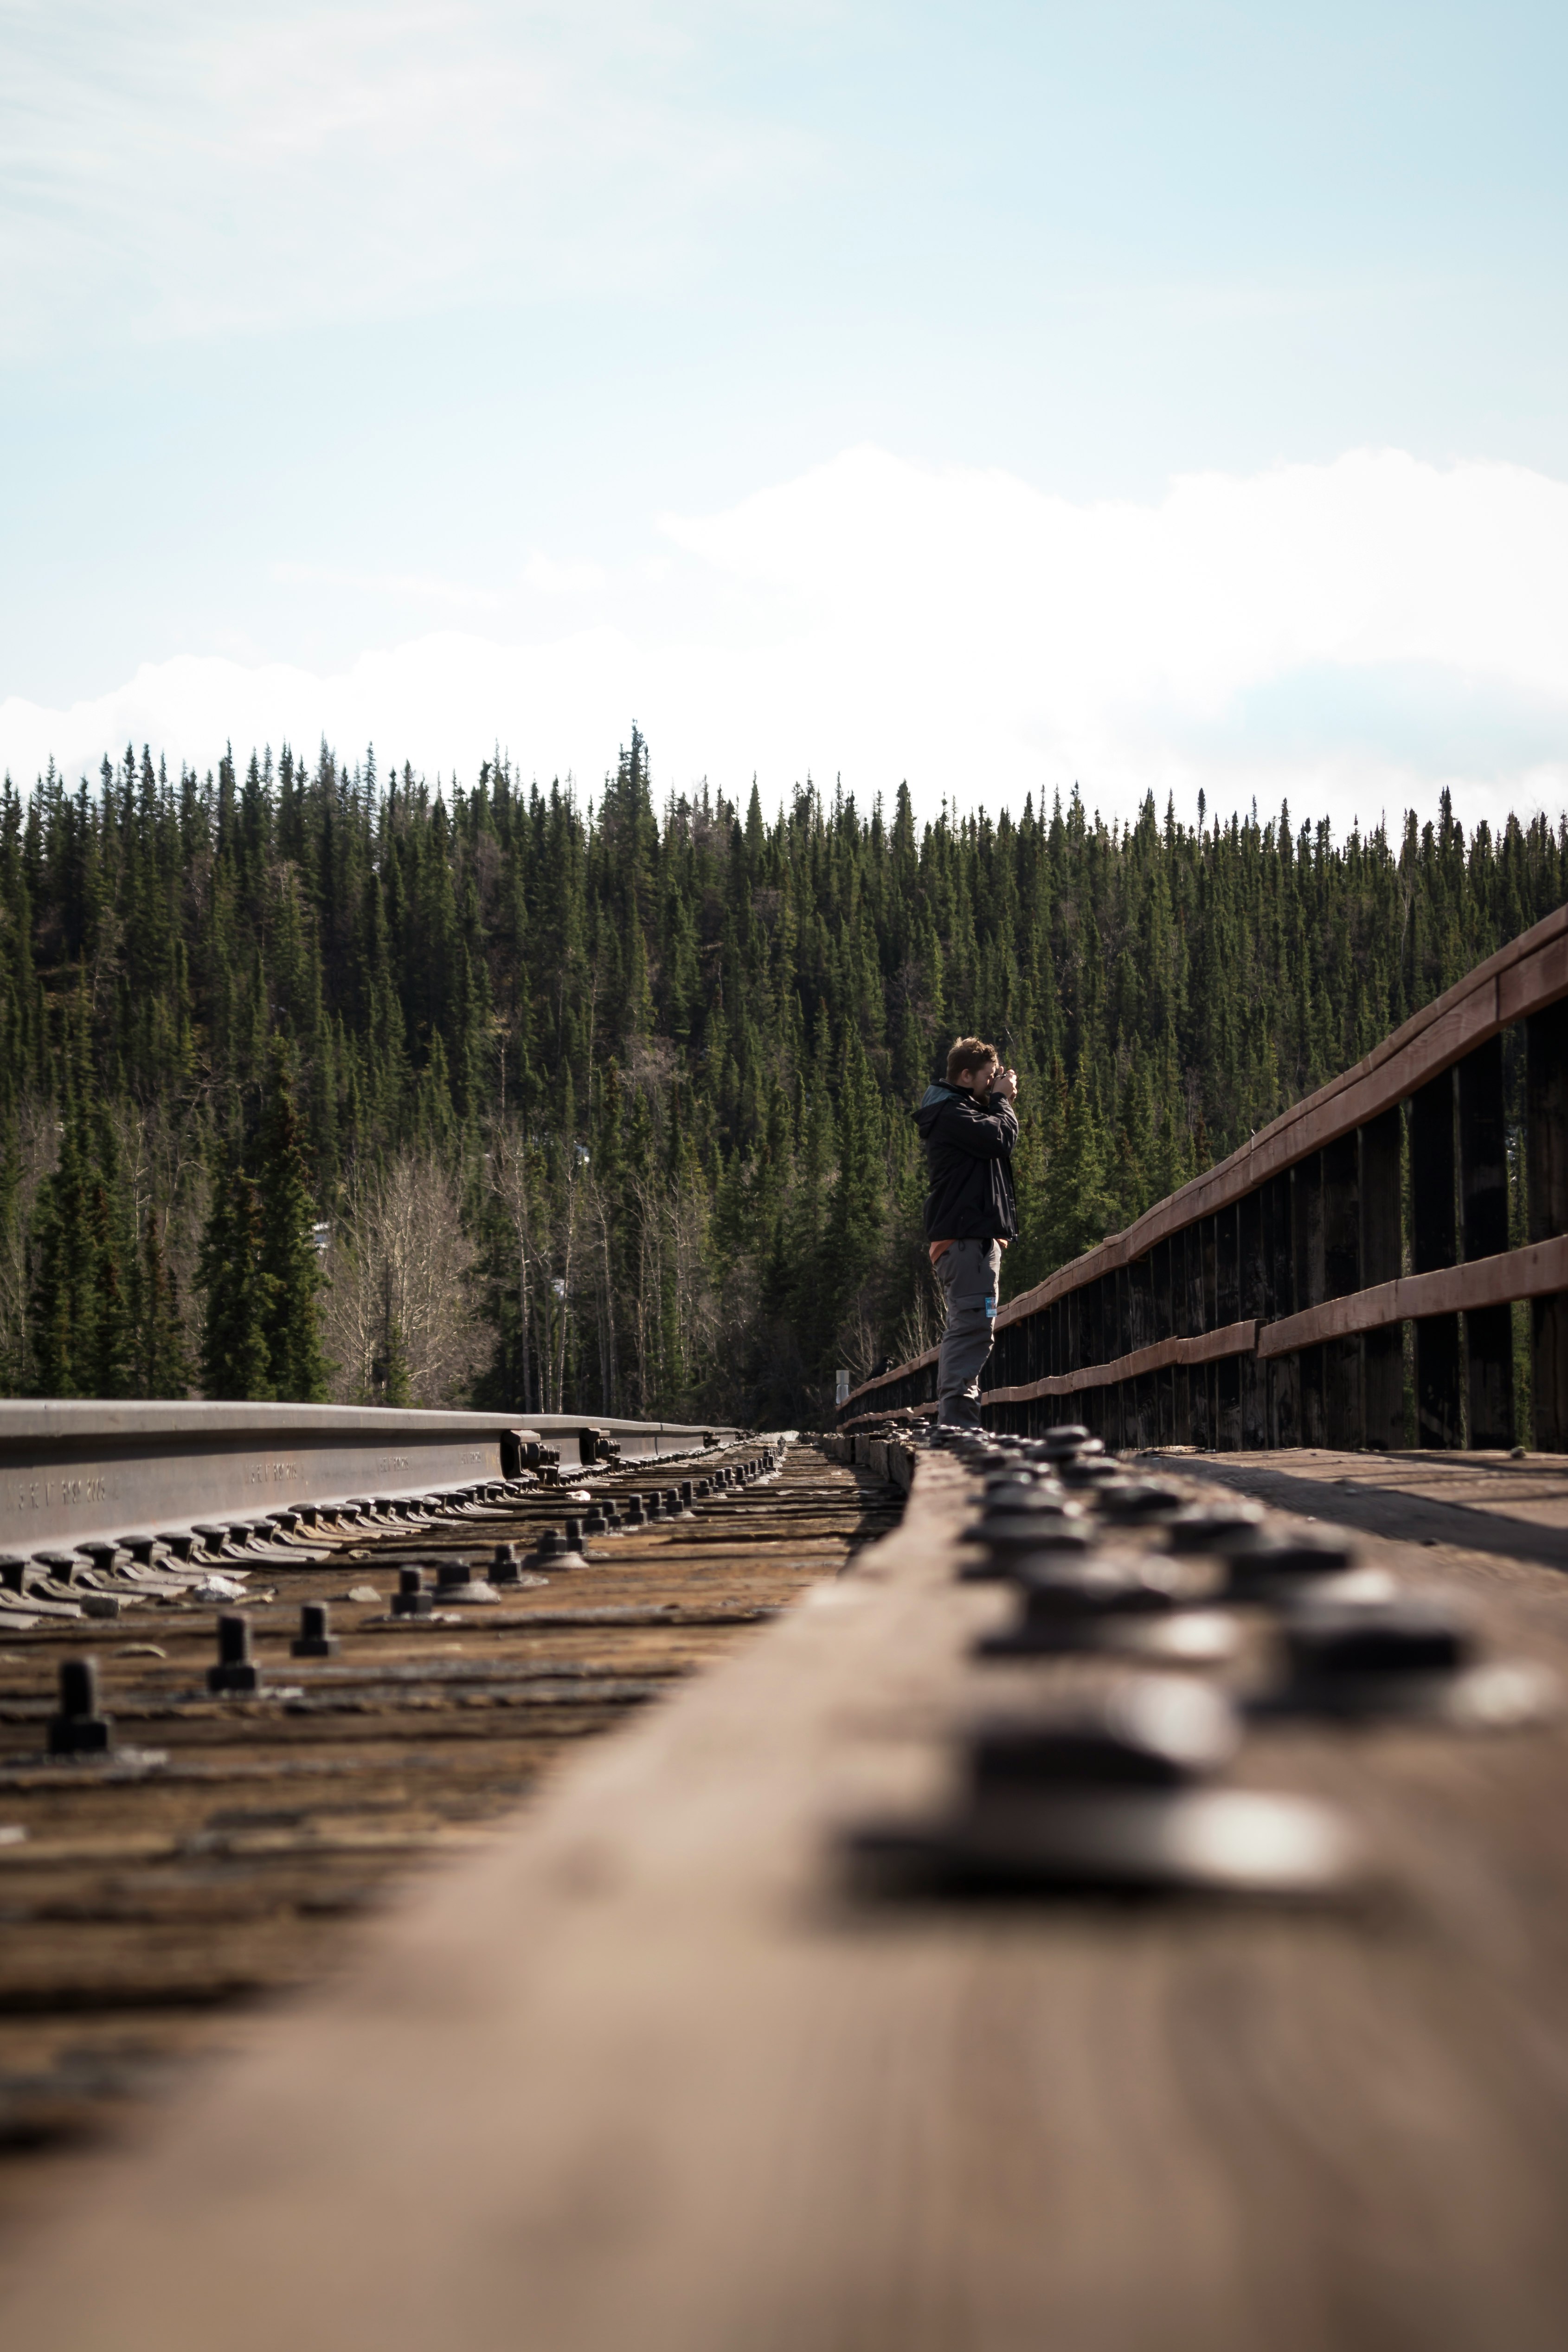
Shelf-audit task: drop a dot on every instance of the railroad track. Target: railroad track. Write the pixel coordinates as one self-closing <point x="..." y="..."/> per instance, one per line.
<point x="221" y="1849"/>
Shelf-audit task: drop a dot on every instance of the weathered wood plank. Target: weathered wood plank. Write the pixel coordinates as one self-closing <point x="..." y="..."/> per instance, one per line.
<point x="1206" y="1348"/>
<point x="1536" y="1271"/>
<point x="645" y="2076"/>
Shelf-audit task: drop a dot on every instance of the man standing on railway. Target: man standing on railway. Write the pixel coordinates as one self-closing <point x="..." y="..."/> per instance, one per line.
<point x="969" y="1129"/>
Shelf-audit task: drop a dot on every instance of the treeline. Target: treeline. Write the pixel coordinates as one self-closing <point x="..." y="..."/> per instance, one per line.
<point x="316" y="1083"/>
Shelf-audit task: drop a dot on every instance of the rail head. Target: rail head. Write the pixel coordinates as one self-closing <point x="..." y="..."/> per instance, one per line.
<point x="81" y="1469"/>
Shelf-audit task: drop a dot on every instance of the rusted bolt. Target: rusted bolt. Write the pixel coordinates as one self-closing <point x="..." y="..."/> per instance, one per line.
<point x="79" y="1729"/>
<point x="315" y="1641"/>
<point x="235" y="1672"/>
<point x="411" y="1599"/>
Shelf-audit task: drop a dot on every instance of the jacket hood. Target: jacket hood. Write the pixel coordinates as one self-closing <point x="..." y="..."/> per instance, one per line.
<point x="930" y="1102"/>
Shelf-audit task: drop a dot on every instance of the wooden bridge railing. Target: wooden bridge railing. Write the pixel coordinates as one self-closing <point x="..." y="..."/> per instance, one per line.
<point x="1265" y="1304"/>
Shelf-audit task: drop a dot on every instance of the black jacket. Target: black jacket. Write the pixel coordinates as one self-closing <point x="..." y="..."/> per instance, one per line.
<point x="970" y="1154"/>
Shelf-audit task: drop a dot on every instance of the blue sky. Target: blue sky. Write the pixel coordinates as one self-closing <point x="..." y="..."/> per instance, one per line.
<point x="997" y="396"/>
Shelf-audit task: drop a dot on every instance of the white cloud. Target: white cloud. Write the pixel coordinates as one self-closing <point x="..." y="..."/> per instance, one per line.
<point x="552" y="578"/>
<point x="186" y="167"/>
<point x="423" y="586"/>
<point x="1352" y="635"/>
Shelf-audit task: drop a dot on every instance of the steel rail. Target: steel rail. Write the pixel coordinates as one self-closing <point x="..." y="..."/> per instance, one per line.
<point x="83" y="1470"/>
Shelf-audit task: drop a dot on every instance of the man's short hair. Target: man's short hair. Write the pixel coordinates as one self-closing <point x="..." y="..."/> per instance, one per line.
<point x="968" y="1054"/>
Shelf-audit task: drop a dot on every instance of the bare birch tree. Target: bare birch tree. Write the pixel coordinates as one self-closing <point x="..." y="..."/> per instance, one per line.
<point x="401" y="1315"/>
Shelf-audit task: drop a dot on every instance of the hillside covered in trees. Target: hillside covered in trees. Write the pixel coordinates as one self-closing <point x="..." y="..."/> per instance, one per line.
<point x="317" y="1083"/>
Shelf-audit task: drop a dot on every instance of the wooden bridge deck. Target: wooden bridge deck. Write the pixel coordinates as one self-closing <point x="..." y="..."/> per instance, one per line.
<point x="649" y="2070"/>
<point x="143" y="1919"/>
<point x="1483" y="1506"/>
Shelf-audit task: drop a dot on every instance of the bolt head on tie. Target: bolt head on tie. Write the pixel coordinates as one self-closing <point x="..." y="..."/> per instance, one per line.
<point x="79" y="1729"/>
<point x="314" y="1640"/>
<point x="411" y="1599"/>
<point x="556" y="1550"/>
<point x="504" y="1568"/>
<point x="235" y="1674"/>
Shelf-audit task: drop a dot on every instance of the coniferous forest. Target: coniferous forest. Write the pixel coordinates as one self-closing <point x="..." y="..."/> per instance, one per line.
<point x="316" y="1083"/>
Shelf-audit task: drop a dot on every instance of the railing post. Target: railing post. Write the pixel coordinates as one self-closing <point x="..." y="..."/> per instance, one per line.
<point x="1309" y="1251"/>
<point x="1434" y="1244"/>
<point x="1254" y="1287"/>
<point x="1285" y="1372"/>
<point x="1209" y="1274"/>
<point x="1200" y="1428"/>
<point x="1142" y="1325"/>
<point x="1382" y="1260"/>
<point x="1343" y="1415"/>
<point x="1227" y="1309"/>
<point x="1483" y="1196"/>
<point x="1119" y="1343"/>
<point x="1546" y="1159"/>
<point x="1164" y="1326"/>
<point x="1181" y="1325"/>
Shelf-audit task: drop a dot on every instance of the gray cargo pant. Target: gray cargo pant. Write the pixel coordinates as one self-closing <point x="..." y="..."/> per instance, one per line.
<point x="969" y="1273"/>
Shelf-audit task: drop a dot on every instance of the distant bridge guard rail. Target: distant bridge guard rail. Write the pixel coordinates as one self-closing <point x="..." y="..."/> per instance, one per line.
<point x="1266" y="1303"/>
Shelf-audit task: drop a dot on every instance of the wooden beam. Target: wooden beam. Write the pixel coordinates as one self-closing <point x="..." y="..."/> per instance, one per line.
<point x="1435" y="1241"/>
<point x="1546" y="1158"/>
<point x="1208" y="1348"/>
<point x="1534" y="1272"/>
<point x="1483" y="1204"/>
<point x="1382" y="1260"/>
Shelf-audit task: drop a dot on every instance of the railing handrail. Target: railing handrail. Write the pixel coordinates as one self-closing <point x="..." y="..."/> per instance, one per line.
<point x="1524" y="977"/>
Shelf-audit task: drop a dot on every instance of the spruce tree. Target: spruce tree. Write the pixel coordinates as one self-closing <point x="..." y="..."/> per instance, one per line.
<point x="455" y="969"/>
<point x="290" y="1321"/>
<point x="236" y="1358"/>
